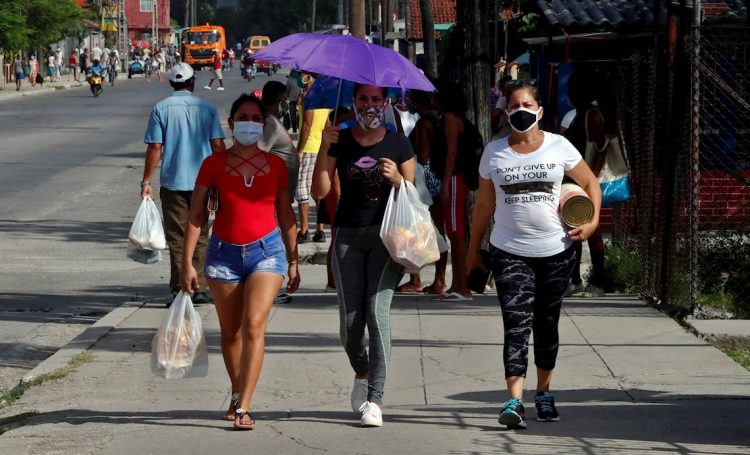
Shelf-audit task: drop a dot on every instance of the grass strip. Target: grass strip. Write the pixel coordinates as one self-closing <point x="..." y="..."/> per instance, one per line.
<point x="10" y="396"/>
<point x="737" y="348"/>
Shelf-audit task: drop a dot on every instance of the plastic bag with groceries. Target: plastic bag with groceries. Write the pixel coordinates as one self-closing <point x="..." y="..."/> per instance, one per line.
<point x="407" y="230"/>
<point x="178" y="349"/>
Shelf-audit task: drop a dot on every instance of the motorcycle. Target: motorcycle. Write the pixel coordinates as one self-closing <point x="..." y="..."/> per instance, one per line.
<point x="95" y="83"/>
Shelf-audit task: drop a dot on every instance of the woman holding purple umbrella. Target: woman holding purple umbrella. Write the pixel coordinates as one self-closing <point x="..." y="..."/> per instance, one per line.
<point x="370" y="160"/>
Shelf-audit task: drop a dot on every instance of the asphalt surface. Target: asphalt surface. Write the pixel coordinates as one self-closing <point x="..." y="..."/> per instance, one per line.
<point x="70" y="165"/>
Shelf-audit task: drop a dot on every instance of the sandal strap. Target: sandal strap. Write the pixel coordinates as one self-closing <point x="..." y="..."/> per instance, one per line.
<point x="235" y="396"/>
<point x="241" y="411"/>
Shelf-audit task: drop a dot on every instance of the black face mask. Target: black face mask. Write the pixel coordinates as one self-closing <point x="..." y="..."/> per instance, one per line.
<point x="522" y="120"/>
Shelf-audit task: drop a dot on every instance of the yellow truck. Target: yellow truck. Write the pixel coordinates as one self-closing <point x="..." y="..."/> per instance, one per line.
<point x="256" y="43"/>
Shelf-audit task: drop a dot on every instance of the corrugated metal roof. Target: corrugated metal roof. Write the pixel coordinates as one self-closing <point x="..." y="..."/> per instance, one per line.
<point x="633" y="13"/>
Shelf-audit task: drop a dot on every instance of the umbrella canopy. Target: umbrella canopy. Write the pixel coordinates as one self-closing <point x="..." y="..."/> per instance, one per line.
<point x="324" y="93"/>
<point x="346" y="57"/>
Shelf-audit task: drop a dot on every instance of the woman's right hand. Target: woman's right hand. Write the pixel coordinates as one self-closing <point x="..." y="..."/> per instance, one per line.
<point x="189" y="280"/>
<point x="331" y="135"/>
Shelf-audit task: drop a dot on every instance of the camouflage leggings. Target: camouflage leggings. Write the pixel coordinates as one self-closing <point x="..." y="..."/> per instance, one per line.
<point x="530" y="291"/>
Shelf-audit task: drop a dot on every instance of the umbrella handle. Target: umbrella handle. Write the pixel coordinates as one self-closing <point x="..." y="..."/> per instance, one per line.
<point x="338" y="101"/>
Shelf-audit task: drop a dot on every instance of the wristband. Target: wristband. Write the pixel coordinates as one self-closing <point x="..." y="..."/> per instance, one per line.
<point x="293" y="262"/>
<point x="145" y="183"/>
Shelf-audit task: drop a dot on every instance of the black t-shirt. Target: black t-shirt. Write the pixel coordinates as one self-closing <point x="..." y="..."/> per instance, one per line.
<point x="364" y="190"/>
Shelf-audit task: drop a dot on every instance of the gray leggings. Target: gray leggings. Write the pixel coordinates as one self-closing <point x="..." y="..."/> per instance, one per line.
<point x="365" y="277"/>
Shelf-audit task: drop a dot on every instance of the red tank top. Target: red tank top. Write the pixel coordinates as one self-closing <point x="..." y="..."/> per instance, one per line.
<point x="247" y="210"/>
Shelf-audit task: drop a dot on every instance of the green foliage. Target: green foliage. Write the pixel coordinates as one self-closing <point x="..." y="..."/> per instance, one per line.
<point x="737" y="348"/>
<point x="723" y="268"/>
<point x="14" y="33"/>
<point x="622" y="269"/>
<point x="37" y="23"/>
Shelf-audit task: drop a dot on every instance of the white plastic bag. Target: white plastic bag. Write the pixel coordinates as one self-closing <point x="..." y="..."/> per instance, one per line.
<point x="407" y="230"/>
<point x="178" y="349"/>
<point x="147" y="232"/>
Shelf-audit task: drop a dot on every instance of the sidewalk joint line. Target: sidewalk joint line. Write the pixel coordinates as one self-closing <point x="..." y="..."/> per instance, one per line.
<point x="421" y="355"/>
<point x="612" y="373"/>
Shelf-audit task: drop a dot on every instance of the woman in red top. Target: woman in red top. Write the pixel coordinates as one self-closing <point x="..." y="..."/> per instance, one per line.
<point x="246" y="258"/>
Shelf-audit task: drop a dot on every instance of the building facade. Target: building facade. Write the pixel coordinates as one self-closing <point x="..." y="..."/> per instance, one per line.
<point x="140" y="17"/>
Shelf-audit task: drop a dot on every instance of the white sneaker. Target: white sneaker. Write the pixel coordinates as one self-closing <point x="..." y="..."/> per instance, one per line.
<point x="220" y="88"/>
<point x="207" y="87"/>
<point x="372" y="416"/>
<point x="359" y="394"/>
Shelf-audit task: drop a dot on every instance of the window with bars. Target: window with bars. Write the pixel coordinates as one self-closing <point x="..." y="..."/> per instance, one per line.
<point x="145" y="6"/>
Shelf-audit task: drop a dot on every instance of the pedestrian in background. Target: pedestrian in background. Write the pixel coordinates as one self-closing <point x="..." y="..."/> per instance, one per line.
<point x="531" y="250"/>
<point x="370" y="161"/>
<point x="293" y="90"/>
<point x="182" y="130"/>
<point x="447" y="162"/>
<point x="249" y="252"/>
<point x="18" y="68"/>
<point x="33" y="70"/>
<point x="73" y="65"/>
<point x="59" y="61"/>
<point x="588" y="126"/>
<point x="276" y="140"/>
<point x="52" y="67"/>
<point x="216" y="74"/>
<point x="422" y="140"/>
<point x="84" y="62"/>
<point x="310" y="137"/>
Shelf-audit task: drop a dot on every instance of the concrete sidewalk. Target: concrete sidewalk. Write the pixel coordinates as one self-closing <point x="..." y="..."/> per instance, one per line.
<point x="629" y="380"/>
<point x="8" y="91"/>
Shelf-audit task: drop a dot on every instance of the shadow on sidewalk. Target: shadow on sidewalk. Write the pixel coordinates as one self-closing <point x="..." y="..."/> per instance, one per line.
<point x="594" y="421"/>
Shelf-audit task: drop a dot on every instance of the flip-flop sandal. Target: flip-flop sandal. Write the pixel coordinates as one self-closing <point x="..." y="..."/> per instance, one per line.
<point x="452" y="297"/>
<point x="233" y="404"/>
<point x="238" y="422"/>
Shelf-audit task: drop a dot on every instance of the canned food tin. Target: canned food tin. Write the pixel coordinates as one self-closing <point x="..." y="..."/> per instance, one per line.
<point x="575" y="206"/>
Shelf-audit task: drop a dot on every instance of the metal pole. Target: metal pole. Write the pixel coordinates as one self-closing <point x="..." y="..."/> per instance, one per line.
<point x="695" y="158"/>
<point x="314" y="7"/>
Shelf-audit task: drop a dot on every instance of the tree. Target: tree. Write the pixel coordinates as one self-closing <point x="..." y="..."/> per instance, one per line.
<point x="357" y="18"/>
<point x="428" y="37"/>
<point x="14" y="32"/>
<point x="474" y="60"/>
<point x="52" y="20"/>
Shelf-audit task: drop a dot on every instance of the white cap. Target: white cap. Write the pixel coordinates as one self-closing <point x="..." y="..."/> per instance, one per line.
<point x="181" y="72"/>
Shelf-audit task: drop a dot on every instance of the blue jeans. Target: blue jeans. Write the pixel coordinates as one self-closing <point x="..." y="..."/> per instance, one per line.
<point x="230" y="263"/>
<point x="365" y="277"/>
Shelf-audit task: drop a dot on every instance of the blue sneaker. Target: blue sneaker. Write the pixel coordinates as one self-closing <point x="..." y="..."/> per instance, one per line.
<point x="512" y="414"/>
<point x="545" y="408"/>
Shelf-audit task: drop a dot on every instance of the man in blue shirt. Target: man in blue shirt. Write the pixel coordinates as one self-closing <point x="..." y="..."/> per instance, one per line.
<point x="182" y="130"/>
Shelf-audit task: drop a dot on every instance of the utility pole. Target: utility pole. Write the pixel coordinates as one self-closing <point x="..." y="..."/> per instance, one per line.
<point x="340" y="16"/>
<point x="357" y="18"/>
<point x="187" y="14"/>
<point x="154" y="23"/>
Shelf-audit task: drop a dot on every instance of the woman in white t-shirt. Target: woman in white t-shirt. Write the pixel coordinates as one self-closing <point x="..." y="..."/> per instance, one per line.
<point x="531" y="250"/>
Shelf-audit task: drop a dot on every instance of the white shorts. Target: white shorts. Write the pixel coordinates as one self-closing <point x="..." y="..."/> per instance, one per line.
<point x="217" y="74"/>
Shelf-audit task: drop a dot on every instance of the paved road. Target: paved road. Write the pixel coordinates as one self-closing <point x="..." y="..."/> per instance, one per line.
<point x="69" y="171"/>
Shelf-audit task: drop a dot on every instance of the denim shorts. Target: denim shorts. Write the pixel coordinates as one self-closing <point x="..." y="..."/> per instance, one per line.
<point x="230" y="263"/>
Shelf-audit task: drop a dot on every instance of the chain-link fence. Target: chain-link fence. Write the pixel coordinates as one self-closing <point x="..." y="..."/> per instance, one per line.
<point x="689" y="220"/>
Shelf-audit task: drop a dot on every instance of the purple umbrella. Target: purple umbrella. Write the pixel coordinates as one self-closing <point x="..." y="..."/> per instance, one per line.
<point x="346" y="57"/>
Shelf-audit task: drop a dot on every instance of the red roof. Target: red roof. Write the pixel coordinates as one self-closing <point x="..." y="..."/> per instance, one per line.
<point x="443" y="12"/>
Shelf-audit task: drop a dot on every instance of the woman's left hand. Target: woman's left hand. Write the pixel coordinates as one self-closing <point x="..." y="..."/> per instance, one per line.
<point x="390" y="171"/>
<point x="293" y="282"/>
<point x="583" y="232"/>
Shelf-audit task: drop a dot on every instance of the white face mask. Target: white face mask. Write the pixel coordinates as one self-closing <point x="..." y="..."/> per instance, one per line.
<point x="247" y="133"/>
